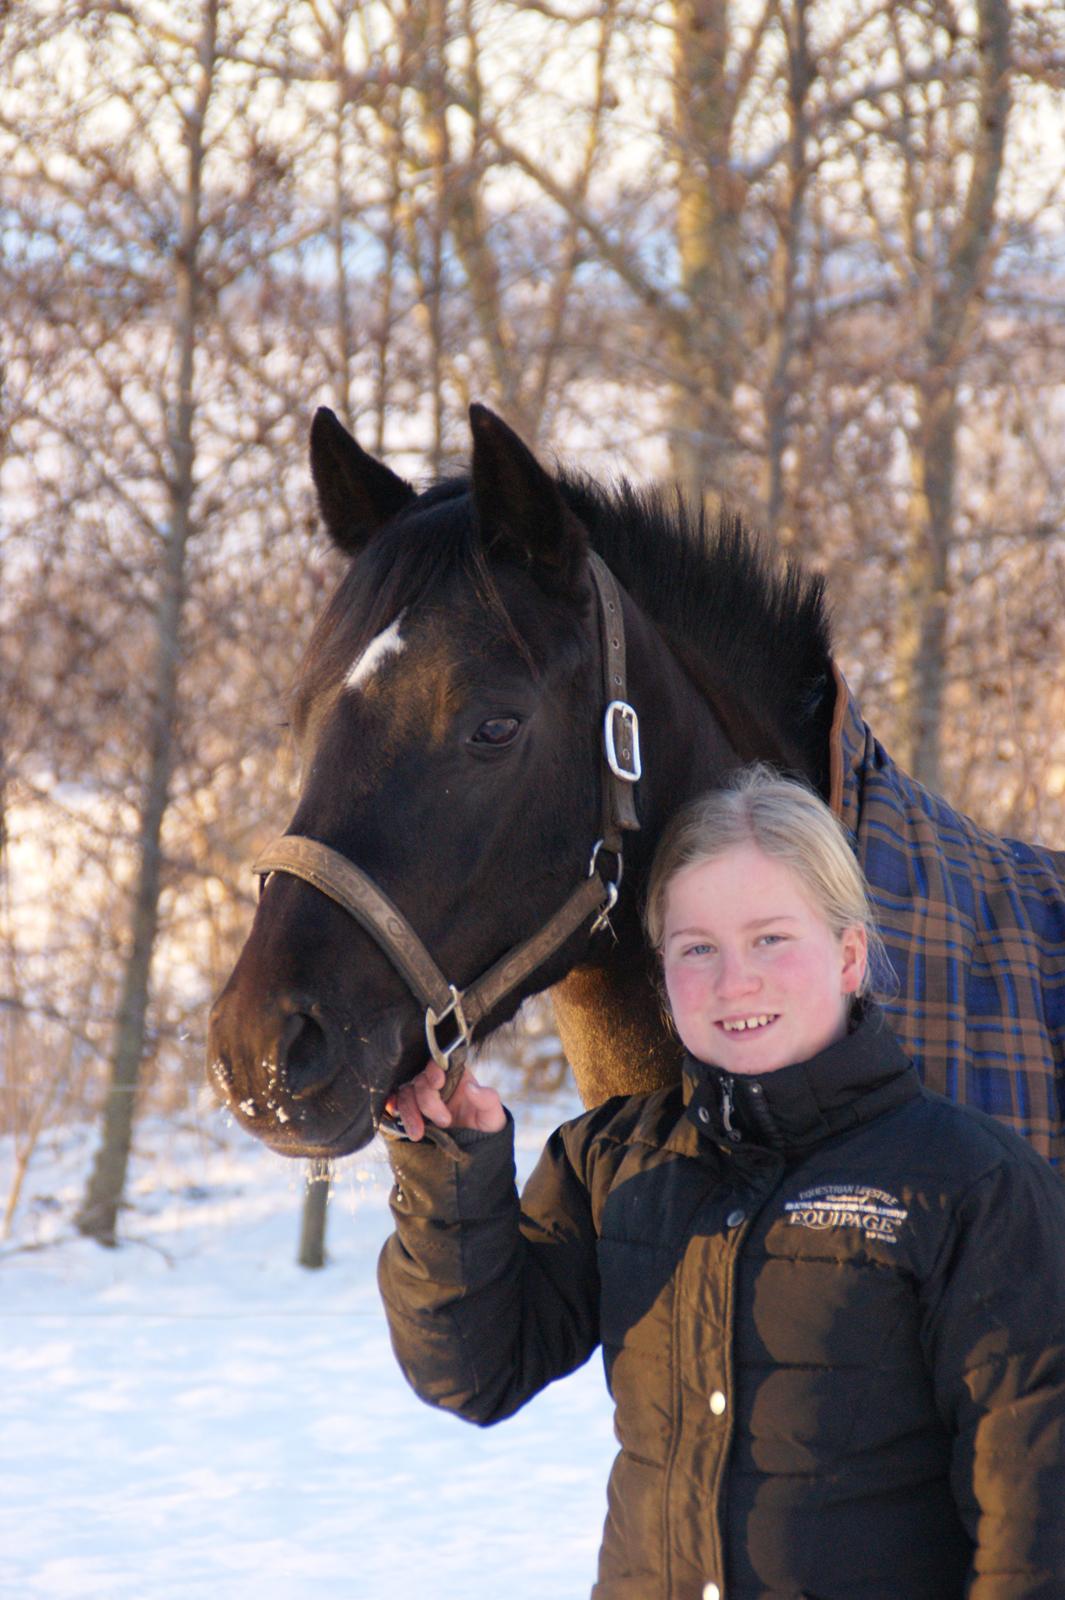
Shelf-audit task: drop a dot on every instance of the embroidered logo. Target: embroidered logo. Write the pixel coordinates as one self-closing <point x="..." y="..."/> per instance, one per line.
<point x="878" y="1214"/>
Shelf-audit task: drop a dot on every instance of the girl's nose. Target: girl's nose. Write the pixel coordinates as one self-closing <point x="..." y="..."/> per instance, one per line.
<point x="735" y="975"/>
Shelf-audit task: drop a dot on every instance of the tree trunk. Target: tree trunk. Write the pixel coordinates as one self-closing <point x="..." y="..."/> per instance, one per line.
<point x="923" y="638"/>
<point x="710" y="198"/>
<point x="924" y="627"/>
<point x="434" y="42"/>
<point x="787" y="259"/>
<point x="98" y="1214"/>
<point x="469" y="225"/>
<point x="314" y="1216"/>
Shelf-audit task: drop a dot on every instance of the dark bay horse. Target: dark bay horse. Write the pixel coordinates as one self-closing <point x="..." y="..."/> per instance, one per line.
<point x="450" y="715"/>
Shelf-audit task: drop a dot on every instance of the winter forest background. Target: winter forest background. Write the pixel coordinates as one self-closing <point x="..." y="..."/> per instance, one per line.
<point x="804" y="255"/>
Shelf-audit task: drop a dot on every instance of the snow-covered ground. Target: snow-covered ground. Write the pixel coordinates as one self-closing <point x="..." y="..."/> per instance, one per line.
<point x="193" y="1414"/>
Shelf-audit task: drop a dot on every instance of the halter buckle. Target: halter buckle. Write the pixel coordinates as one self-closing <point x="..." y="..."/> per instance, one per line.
<point x="632" y="770"/>
<point x="442" y="1053"/>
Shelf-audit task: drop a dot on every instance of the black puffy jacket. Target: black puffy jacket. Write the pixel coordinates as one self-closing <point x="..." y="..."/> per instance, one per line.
<point x="832" y="1311"/>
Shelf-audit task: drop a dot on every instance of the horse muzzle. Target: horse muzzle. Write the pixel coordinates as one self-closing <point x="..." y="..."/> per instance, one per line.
<point x="306" y="1083"/>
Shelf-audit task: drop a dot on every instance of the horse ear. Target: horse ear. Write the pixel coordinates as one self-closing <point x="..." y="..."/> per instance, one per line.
<point x="519" y="508"/>
<point x="356" y="494"/>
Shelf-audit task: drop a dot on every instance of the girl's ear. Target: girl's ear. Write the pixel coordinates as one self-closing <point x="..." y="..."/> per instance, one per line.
<point x="854" y="949"/>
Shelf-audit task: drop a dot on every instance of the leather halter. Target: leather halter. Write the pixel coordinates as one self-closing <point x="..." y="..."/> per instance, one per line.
<point x="334" y="875"/>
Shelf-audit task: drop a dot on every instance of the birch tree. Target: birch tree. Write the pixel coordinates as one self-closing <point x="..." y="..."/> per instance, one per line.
<point x="139" y="174"/>
<point x="197" y="70"/>
<point x="949" y="241"/>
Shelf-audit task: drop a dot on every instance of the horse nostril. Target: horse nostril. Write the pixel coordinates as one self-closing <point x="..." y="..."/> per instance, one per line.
<point x="303" y="1056"/>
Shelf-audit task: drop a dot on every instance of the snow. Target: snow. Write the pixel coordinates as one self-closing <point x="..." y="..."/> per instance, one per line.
<point x="194" y="1414"/>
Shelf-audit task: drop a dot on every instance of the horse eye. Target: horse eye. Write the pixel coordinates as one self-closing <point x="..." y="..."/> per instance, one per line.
<point x="497" y="731"/>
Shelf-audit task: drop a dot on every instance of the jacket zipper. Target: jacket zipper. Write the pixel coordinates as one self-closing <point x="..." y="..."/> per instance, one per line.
<point x="728" y="1107"/>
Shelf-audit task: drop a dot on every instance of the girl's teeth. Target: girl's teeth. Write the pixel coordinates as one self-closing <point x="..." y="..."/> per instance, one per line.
<point x="746" y="1022"/>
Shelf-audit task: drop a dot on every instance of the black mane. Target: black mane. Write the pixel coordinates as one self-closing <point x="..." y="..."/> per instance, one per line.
<point x="752" y="633"/>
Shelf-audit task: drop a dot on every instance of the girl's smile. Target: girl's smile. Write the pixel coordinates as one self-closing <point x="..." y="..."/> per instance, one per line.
<point x="756" y="978"/>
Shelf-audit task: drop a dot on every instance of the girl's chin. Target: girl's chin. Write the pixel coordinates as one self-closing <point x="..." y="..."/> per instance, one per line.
<point x="750" y="1050"/>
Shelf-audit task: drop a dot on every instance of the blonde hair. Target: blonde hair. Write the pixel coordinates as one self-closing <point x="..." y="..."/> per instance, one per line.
<point x="787" y="822"/>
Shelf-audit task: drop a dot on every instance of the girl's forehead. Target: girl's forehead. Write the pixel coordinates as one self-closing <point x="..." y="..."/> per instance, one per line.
<point x="746" y="856"/>
<point x="740" y="879"/>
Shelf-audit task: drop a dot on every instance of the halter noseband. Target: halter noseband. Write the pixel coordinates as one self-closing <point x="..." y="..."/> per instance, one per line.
<point x="334" y="875"/>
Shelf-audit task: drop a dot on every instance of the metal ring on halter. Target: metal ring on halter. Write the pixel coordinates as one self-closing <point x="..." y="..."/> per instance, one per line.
<point x="616" y="885"/>
<point x="442" y="1053"/>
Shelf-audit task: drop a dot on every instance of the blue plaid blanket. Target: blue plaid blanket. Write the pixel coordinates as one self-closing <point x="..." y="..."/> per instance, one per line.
<point x="974" y="927"/>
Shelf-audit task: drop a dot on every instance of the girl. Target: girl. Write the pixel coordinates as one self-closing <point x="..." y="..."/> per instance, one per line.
<point x="831" y="1304"/>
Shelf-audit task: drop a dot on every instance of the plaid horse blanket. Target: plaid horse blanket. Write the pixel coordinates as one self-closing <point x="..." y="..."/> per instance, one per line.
<point x="974" y="926"/>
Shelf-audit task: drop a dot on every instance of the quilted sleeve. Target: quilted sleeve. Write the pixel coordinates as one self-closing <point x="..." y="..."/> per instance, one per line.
<point x="487" y="1302"/>
<point x="995" y="1327"/>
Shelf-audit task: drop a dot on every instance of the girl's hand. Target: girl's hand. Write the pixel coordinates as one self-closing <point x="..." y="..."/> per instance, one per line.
<point x="473" y="1105"/>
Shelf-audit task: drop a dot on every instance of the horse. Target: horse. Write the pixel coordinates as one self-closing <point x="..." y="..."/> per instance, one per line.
<point x="518" y="679"/>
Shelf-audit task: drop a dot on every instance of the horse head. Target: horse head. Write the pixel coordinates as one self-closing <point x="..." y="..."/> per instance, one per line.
<point x="446" y="716"/>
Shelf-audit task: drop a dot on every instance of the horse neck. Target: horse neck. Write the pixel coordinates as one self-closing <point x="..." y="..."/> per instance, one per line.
<point x="608" y="1011"/>
<point x="685" y="748"/>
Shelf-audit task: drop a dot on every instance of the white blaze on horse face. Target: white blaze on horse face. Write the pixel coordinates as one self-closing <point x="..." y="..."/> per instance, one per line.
<point x="388" y="643"/>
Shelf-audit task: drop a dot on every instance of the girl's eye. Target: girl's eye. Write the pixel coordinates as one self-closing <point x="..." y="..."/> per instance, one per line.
<point x="497" y="731"/>
<point x="772" y="938"/>
<point x="699" y="950"/>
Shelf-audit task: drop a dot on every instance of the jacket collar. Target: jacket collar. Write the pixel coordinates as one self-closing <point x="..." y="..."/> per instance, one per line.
<point x="857" y="1078"/>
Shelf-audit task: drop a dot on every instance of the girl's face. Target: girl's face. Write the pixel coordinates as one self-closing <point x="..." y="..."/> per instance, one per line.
<point x="755" y="976"/>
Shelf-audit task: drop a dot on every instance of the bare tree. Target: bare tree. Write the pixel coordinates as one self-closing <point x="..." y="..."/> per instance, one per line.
<point x="99" y="1210"/>
<point x="950" y="246"/>
<point x="145" y="188"/>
